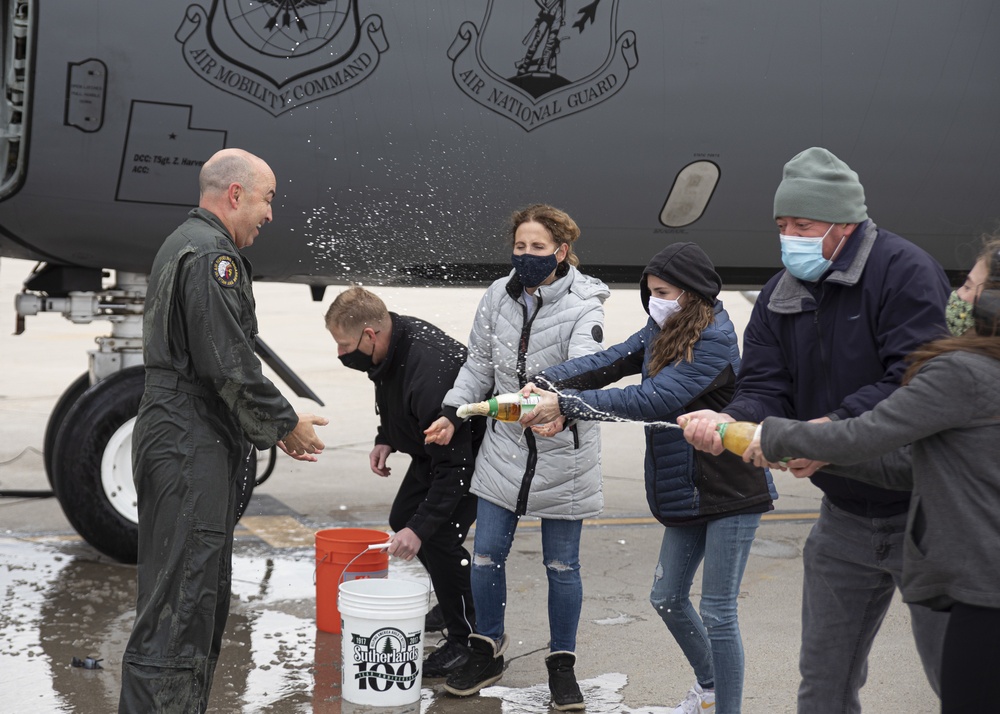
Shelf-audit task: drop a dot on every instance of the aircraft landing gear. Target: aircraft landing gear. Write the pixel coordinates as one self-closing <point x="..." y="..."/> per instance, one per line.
<point x="73" y="392"/>
<point x="92" y="481"/>
<point x="90" y="467"/>
<point x="88" y="439"/>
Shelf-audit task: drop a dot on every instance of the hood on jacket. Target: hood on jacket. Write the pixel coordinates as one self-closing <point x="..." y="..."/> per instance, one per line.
<point x="685" y="265"/>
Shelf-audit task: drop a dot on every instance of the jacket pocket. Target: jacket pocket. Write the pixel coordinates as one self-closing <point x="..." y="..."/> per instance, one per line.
<point x="204" y="582"/>
<point x="916" y="527"/>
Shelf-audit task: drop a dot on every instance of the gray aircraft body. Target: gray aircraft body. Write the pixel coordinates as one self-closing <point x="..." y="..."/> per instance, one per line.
<point x="403" y="134"/>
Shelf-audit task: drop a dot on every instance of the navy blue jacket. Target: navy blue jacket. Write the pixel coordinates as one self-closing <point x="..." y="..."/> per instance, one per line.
<point x="683" y="486"/>
<point x="836" y="347"/>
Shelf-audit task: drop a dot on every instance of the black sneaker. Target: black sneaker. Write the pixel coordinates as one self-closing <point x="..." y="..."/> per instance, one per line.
<point x="446" y="659"/>
<point x="483" y="668"/>
<point x="566" y="694"/>
<point x="434" y="621"/>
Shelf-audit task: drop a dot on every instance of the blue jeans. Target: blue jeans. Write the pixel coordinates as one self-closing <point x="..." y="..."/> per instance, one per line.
<point x="712" y="641"/>
<point x="495" y="528"/>
<point x="852" y="565"/>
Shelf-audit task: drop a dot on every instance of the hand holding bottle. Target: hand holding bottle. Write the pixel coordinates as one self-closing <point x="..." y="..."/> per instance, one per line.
<point x="545" y="412"/>
<point x="804" y="468"/>
<point x="743" y="438"/>
<point x="700" y="429"/>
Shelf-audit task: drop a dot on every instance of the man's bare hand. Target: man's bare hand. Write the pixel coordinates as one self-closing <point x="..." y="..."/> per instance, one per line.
<point x="377" y="459"/>
<point x="699" y="429"/>
<point x="804" y="468"/>
<point x="405" y="544"/>
<point x="302" y="443"/>
<point x="440" y="432"/>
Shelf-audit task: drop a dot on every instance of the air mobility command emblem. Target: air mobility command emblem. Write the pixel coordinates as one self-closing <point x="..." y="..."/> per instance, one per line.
<point x="281" y="54"/>
<point x="225" y="271"/>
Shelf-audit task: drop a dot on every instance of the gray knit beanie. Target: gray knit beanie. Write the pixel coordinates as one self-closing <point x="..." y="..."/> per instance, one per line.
<point x="816" y="184"/>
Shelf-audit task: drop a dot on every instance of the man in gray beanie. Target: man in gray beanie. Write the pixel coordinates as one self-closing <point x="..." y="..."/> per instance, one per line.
<point x="827" y="340"/>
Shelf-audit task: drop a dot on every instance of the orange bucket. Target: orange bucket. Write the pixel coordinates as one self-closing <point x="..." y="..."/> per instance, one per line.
<point x="340" y="557"/>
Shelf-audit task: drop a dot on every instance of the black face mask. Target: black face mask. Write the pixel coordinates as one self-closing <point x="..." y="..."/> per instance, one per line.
<point x="533" y="269"/>
<point x="357" y="359"/>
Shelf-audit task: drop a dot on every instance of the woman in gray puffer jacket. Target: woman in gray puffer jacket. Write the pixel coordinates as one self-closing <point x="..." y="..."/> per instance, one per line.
<point x="542" y="314"/>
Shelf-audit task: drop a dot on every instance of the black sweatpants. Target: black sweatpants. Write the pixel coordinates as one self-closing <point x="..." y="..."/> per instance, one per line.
<point x="441" y="554"/>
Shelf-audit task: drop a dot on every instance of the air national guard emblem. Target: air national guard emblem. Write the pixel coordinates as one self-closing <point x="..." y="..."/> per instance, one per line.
<point x="225" y="271"/>
<point x="281" y="54"/>
<point x="534" y="61"/>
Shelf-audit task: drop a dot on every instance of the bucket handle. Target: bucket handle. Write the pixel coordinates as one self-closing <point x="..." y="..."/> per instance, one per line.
<point x="373" y="546"/>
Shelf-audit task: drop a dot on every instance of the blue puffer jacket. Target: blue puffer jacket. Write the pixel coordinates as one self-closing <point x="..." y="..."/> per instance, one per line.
<point x="683" y="486"/>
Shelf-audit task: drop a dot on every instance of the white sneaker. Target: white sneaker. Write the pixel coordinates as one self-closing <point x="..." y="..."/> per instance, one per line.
<point x="697" y="701"/>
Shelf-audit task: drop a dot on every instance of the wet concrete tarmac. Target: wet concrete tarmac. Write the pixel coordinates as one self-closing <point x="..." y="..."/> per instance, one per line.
<point x="60" y="599"/>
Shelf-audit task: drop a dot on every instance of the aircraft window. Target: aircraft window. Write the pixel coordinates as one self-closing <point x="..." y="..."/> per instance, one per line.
<point x="689" y="195"/>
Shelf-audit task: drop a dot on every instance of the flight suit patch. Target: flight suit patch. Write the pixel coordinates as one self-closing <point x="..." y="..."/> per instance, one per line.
<point x="225" y="271"/>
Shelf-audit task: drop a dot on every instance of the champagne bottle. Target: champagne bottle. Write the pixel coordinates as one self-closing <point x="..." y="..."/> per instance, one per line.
<point x="736" y="435"/>
<point x="504" y="407"/>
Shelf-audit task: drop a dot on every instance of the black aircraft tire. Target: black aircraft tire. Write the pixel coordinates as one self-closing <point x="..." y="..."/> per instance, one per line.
<point x="73" y="392"/>
<point x="86" y="430"/>
<point x="87" y="427"/>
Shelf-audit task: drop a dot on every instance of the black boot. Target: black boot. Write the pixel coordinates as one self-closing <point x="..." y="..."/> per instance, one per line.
<point x="566" y="694"/>
<point x="483" y="668"/>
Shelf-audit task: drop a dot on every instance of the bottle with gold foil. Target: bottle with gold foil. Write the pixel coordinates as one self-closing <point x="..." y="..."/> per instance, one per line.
<point x="737" y="435"/>
<point x="504" y="407"/>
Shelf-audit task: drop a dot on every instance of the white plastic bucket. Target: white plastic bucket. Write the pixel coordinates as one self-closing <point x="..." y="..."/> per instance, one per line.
<point x="383" y="640"/>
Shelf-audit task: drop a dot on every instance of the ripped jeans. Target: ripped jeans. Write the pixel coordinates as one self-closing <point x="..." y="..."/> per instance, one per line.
<point x="711" y="642"/>
<point x="495" y="528"/>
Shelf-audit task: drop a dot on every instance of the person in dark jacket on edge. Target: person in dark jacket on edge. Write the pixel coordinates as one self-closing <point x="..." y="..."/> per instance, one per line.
<point x="205" y="397"/>
<point x="413" y="365"/>
<point x="711" y="506"/>
<point x="826" y="341"/>
<point x="939" y="437"/>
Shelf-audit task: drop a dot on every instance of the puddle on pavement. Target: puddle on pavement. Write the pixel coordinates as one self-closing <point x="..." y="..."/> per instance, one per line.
<point x="60" y="600"/>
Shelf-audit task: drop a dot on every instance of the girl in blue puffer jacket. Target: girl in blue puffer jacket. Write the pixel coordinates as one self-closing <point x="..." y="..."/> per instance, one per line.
<point x="710" y="506"/>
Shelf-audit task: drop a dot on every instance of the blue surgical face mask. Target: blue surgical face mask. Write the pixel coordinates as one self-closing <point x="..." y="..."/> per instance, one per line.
<point x="533" y="269"/>
<point x="661" y="310"/>
<point x="803" y="257"/>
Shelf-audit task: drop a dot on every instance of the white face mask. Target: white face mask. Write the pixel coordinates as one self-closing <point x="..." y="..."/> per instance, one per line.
<point x="661" y="310"/>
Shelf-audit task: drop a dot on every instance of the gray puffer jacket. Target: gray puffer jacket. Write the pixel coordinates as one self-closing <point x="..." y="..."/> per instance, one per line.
<point x="557" y="477"/>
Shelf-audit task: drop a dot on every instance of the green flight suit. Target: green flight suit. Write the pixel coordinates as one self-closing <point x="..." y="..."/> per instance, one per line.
<point x="205" y="397"/>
